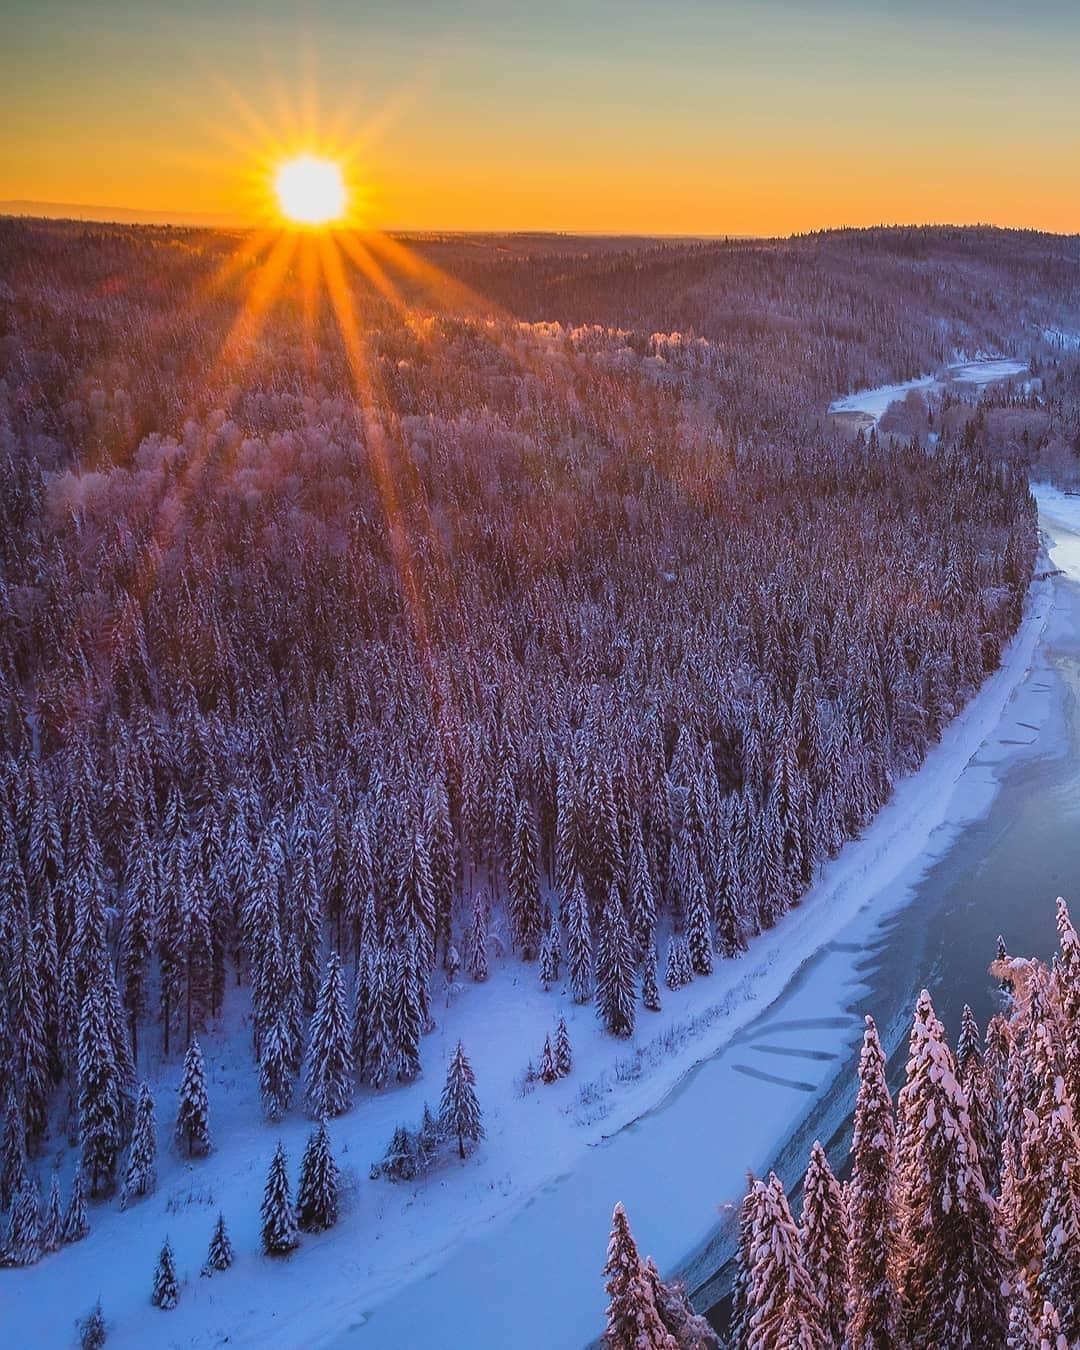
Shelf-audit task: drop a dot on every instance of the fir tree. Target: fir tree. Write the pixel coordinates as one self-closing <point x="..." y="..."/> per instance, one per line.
<point x="193" y="1116"/>
<point x="824" y="1242"/>
<point x="92" y="1329"/>
<point x="524" y="882"/>
<point x="166" y="1291"/>
<point x="279" y="1231"/>
<point x="275" y="1068"/>
<point x="1059" y="1278"/>
<point x="677" y="1316"/>
<point x="52" y="1225"/>
<point x="23" y="1245"/>
<point x="633" y="1319"/>
<point x="379" y="1056"/>
<point x="13" y="1150"/>
<point x="615" y="995"/>
<point x="564" y="1059"/>
<point x="329" y="1064"/>
<point x="873" y="1307"/>
<point x="549" y="958"/>
<point x="698" y="920"/>
<point x="99" y="1096"/>
<point x="459" y="1109"/>
<point x="478" y="959"/>
<point x="317" y="1199"/>
<point x="549" y="1071"/>
<point x="76" y="1225"/>
<point x="579" y="944"/>
<point x="408" y="1016"/>
<point x="141" y="1175"/>
<point x="220" y="1255"/>
<point x="650" y="991"/>
<point x="784" y="1309"/>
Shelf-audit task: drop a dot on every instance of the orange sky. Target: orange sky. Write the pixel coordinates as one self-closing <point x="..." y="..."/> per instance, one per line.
<point x="689" y="117"/>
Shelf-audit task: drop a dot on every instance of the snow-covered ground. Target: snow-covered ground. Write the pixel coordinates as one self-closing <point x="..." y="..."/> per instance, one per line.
<point x="978" y="373"/>
<point x="667" y="1123"/>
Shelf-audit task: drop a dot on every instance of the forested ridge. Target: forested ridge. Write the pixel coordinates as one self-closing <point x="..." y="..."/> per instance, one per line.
<point x="452" y="613"/>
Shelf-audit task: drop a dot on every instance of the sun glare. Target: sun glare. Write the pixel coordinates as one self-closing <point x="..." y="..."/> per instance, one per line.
<point x="310" y="191"/>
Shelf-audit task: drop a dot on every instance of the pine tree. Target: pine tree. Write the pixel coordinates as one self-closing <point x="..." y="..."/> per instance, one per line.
<point x="524" y="882"/>
<point x="275" y="1068"/>
<point x="615" y="995"/>
<point x="677" y="1316"/>
<point x="99" y="1096"/>
<point x="478" y="959"/>
<point x="23" y="1245"/>
<point x="650" y="992"/>
<point x="52" y="1225"/>
<point x="220" y="1255"/>
<point x="564" y="1059"/>
<point x="329" y="1064"/>
<point x="1059" y="1279"/>
<point x="579" y="944"/>
<point x="698" y="919"/>
<point x="824" y="1242"/>
<point x="407" y="1011"/>
<point x="549" y="1071"/>
<point x="873" y="1306"/>
<point x="92" y="1329"/>
<point x="380" y="1055"/>
<point x="549" y="958"/>
<point x="279" y="1231"/>
<point x="955" y="1274"/>
<point x="459" y="1109"/>
<point x="642" y="893"/>
<point x="166" y="1290"/>
<point x="193" y="1116"/>
<point x="141" y="1175"/>
<point x="76" y="1225"/>
<point x="784" y="1309"/>
<point x="633" y="1319"/>
<point x="12" y="1149"/>
<point x="317" y="1200"/>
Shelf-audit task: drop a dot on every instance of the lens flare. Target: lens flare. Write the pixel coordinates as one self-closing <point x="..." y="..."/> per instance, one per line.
<point x="310" y="191"/>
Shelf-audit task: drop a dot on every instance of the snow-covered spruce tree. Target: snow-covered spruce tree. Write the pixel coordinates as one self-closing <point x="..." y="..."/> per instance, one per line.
<point x="1050" y="1335"/>
<point x="76" y="1224"/>
<point x="750" y="1216"/>
<point x="824" y="1242"/>
<point x="317" y="1197"/>
<point x="52" y="1224"/>
<point x="459" y="1109"/>
<point x="193" y="1114"/>
<point x="12" y="1149"/>
<point x="329" y="1073"/>
<point x="166" y="1291"/>
<point x="1067" y="977"/>
<point x="23" y="1244"/>
<point x="1021" y="1333"/>
<point x="564" y="1058"/>
<point x="478" y="957"/>
<point x="549" y="1071"/>
<point x="380" y="1053"/>
<point x="650" y="991"/>
<point x="579" y="943"/>
<point x="92" y="1333"/>
<point x="1058" y="1282"/>
<point x="698" y="918"/>
<point x="279" y="1232"/>
<point x="275" y="1068"/>
<point x="220" y="1255"/>
<point x="641" y="892"/>
<point x="523" y="882"/>
<point x="615" y="994"/>
<point x="677" y="1315"/>
<point x="873" y="1305"/>
<point x="783" y="1308"/>
<point x="549" y="958"/>
<point x="633" y="1319"/>
<point x="407" y="1011"/>
<point x="99" y="1096"/>
<point x="428" y="1138"/>
<point x="955" y="1270"/>
<point x="140" y="1177"/>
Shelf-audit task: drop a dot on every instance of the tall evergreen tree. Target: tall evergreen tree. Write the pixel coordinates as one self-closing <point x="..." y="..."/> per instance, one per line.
<point x="873" y="1304"/>
<point x="317" y="1199"/>
<point x="140" y="1177"/>
<point x="407" y="1010"/>
<point x="615" y="993"/>
<point x="523" y="882"/>
<point x="579" y="944"/>
<point x="193" y="1116"/>
<point x="329" y="1078"/>
<point x="275" y="1068"/>
<point x="52" y="1225"/>
<point x="633" y="1319"/>
<point x="784" y="1309"/>
<point x="76" y="1225"/>
<point x="220" y="1255"/>
<point x="824" y="1240"/>
<point x="99" y="1096"/>
<point x="564" y="1059"/>
<point x="650" y="991"/>
<point x="279" y="1231"/>
<point x="166" y="1291"/>
<point x="478" y="957"/>
<point x="23" y="1244"/>
<point x="459" y="1109"/>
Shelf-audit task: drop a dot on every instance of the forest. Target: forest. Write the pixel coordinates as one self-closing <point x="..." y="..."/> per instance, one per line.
<point x="372" y="619"/>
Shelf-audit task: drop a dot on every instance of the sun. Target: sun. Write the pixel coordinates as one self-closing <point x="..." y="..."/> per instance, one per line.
<point x="310" y="190"/>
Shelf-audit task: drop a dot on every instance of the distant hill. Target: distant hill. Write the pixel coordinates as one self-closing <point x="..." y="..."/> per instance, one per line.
<point x="119" y="214"/>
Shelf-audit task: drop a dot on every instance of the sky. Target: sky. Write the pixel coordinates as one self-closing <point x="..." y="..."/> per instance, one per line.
<point x="702" y="117"/>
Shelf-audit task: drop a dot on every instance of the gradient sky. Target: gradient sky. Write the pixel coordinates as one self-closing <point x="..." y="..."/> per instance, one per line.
<point x="682" y="116"/>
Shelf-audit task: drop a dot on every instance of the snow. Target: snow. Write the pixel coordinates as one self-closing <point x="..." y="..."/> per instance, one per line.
<point x="872" y="403"/>
<point x="666" y="1122"/>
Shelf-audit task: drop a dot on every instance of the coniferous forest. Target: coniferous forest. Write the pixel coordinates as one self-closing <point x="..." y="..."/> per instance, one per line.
<point x="485" y="602"/>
